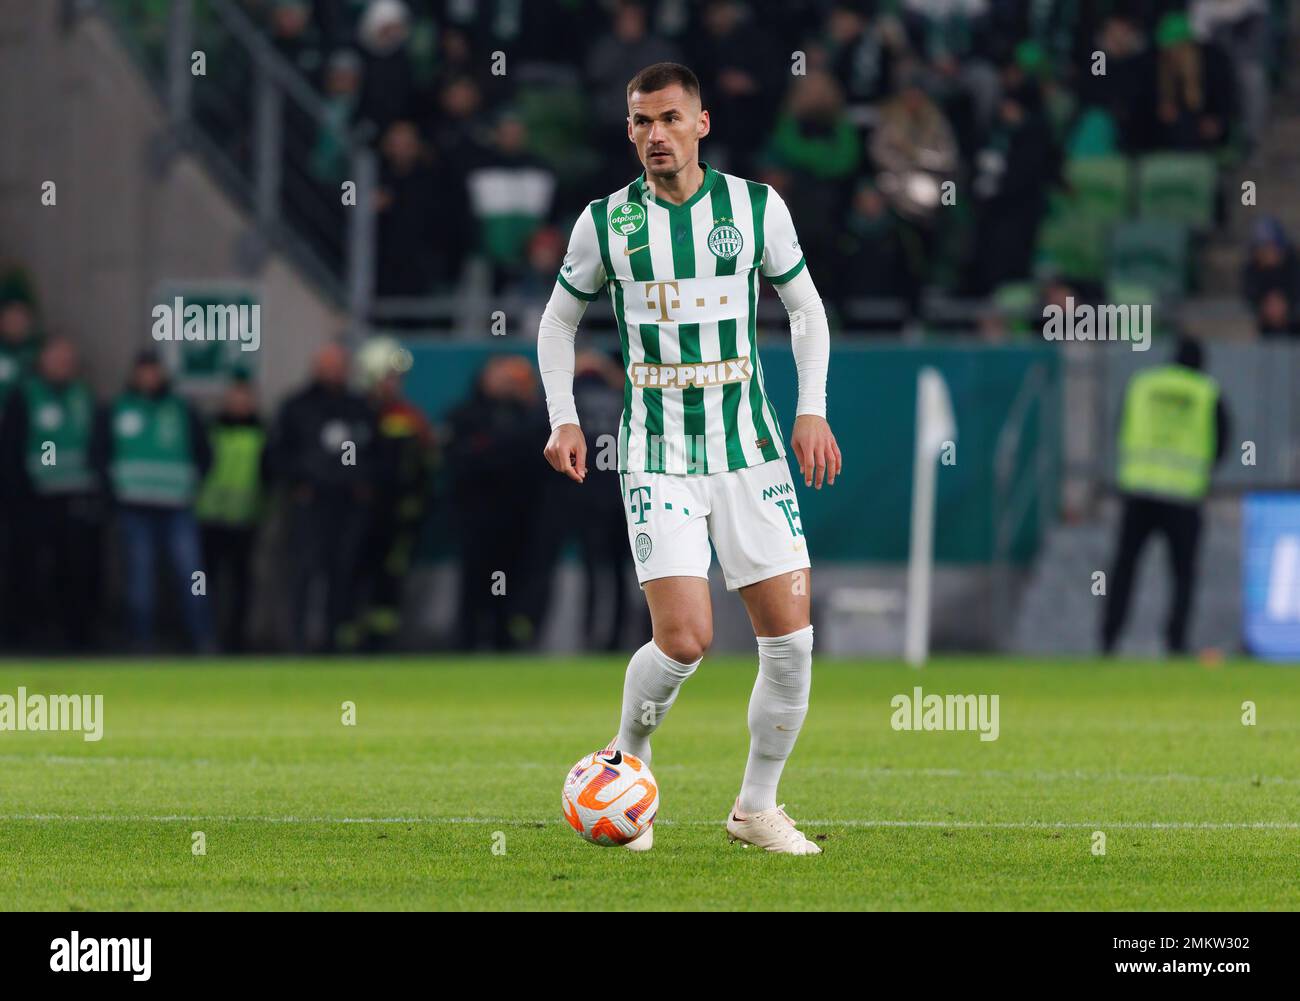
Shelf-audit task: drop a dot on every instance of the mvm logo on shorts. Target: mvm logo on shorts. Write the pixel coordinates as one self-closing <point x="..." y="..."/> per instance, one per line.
<point x="696" y="374"/>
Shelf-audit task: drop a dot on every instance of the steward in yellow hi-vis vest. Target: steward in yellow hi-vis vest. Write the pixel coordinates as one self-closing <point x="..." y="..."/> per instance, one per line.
<point x="229" y="509"/>
<point x="1168" y="440"/>
<point x="1172" y="431"/>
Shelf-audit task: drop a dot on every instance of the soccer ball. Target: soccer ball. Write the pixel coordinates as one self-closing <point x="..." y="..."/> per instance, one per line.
<point x="610" y="798"/>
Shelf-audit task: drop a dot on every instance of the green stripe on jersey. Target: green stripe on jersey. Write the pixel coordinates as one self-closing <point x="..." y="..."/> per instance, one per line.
<point x="731" y="391"/>
<point x="792" y="273"/>
<point x="600" y="217"/>
<point x="683" y="240"/>
<point x="625" y="433"/>
<point x="758" y="201"/>
<point x="654" y="402"/>
<point x="577" y="293"/>
<point x="756" y="401"/>
<point x="643" y="271"/>
<point x="693" y="416"/>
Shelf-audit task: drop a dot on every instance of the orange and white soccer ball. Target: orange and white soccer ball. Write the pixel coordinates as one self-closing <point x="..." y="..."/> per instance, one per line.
<point x="610" y="798"/>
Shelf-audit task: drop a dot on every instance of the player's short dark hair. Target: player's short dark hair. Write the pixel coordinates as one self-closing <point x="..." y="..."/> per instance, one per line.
<point x="661" y="75"/>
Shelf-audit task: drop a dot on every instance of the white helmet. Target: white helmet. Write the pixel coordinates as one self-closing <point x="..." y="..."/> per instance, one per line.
<point x="380" y="357"/>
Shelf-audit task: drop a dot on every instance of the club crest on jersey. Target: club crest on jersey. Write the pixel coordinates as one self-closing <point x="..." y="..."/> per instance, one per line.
<point x="626" y="219"/>
<point x="725" y="240"/>
<point x="643" y="546"/>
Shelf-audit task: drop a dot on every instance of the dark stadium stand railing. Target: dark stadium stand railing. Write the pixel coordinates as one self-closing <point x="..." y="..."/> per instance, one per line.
<point x="1027" y="471"/>
<point x="1132" y="226"/>
<point x="248" y="119"/>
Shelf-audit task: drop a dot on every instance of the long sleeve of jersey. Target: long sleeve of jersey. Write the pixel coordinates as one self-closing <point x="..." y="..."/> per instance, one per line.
<point x="555" y="354"/>
<point x="582" y="269"/>
<point x="784" y="266"/>
<point x="810" y="337"/>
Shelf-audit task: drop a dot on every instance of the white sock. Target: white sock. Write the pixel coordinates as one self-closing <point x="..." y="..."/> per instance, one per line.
<point x="776" y="711"/>
<point x="649" y="691"/>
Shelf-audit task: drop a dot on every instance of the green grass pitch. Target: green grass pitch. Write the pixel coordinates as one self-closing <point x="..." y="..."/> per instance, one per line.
<point x="451" y="757"/>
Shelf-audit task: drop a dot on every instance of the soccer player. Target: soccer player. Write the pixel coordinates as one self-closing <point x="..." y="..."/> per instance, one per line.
<point x="700" y="455"/>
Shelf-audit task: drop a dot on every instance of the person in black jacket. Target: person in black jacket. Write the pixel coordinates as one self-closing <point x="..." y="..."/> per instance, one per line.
<point x="1014" y="168"/>
<point x="1196" y="100"/>
<point x="320" y="451"/>
<point x="1270" y="280"/>
<point x="500" y="498"/>
<point x="597" y="512"/>
<point x="1127" y="90"/>
<point x="404" y="457"/>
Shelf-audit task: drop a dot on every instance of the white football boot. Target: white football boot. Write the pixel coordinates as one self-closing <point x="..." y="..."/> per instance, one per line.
<point x="770" y="829"/>
<point x="644" y="841"/>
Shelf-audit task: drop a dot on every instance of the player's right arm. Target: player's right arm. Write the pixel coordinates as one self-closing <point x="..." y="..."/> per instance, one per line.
<point x="583" y="269"/>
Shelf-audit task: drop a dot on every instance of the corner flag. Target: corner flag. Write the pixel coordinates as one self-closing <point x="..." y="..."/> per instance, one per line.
<point x="935" y="427"/>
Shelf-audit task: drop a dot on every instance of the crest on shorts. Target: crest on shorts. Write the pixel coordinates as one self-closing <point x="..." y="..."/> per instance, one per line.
<point x="626" y="219"/>
<point x="643" y="546"/>
<point x="725" y="240"/>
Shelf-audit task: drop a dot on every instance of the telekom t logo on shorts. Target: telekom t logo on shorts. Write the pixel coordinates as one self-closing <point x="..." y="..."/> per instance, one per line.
<point x="640" y="498"/>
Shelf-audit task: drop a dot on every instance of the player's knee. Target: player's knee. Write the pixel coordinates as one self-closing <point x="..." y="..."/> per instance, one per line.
<point x="686" y="644"/>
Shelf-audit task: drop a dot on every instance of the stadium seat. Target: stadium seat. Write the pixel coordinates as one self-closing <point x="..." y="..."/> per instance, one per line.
<point x="1100" y="186"/>
<point x="554" y="116"/>
<point x="1072" y="243"/>
<point x="1134" y="293"/>
<point x="1017" y="301"/>
<point x="1150" y="254"/>
<point x="1177" y="187"/>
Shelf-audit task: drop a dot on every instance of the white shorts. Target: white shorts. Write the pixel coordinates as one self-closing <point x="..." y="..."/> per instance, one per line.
<point x="750" y="514"/>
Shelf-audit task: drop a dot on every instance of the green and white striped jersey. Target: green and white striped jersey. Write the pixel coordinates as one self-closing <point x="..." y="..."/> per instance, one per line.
<point x="684" y="283"/>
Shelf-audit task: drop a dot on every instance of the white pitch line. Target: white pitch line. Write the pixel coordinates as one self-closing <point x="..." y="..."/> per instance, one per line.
<point x="994" y="774"/>
<point x="1057" y="776"/>
<point x="1156" y="825"/>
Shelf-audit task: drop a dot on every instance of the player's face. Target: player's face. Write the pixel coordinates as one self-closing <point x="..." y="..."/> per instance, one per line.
<point x="667" y="126"/>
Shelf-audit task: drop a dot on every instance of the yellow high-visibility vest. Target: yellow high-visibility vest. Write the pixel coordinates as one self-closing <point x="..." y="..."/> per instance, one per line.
<point x="1167" y="438"/>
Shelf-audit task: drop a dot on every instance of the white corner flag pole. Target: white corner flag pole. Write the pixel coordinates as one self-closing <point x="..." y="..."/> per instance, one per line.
<point x="935" y="427"/>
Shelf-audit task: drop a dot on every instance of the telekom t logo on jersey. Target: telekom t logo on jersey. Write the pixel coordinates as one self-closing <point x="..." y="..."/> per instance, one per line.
<point x="664" y="302"/>
<point x="657" y="297"/>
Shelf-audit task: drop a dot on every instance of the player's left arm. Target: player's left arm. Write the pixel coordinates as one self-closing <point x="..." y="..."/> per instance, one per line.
<point x="812" y="440"/>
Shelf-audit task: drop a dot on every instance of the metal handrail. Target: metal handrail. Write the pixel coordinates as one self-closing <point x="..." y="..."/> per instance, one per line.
<point x="1012" y="500"/>
<point x="276" y="83"/>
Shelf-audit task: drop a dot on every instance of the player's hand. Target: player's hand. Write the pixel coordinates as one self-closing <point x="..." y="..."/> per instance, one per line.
<point x="816" y="451"/>
<point x="566" y="451"/>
